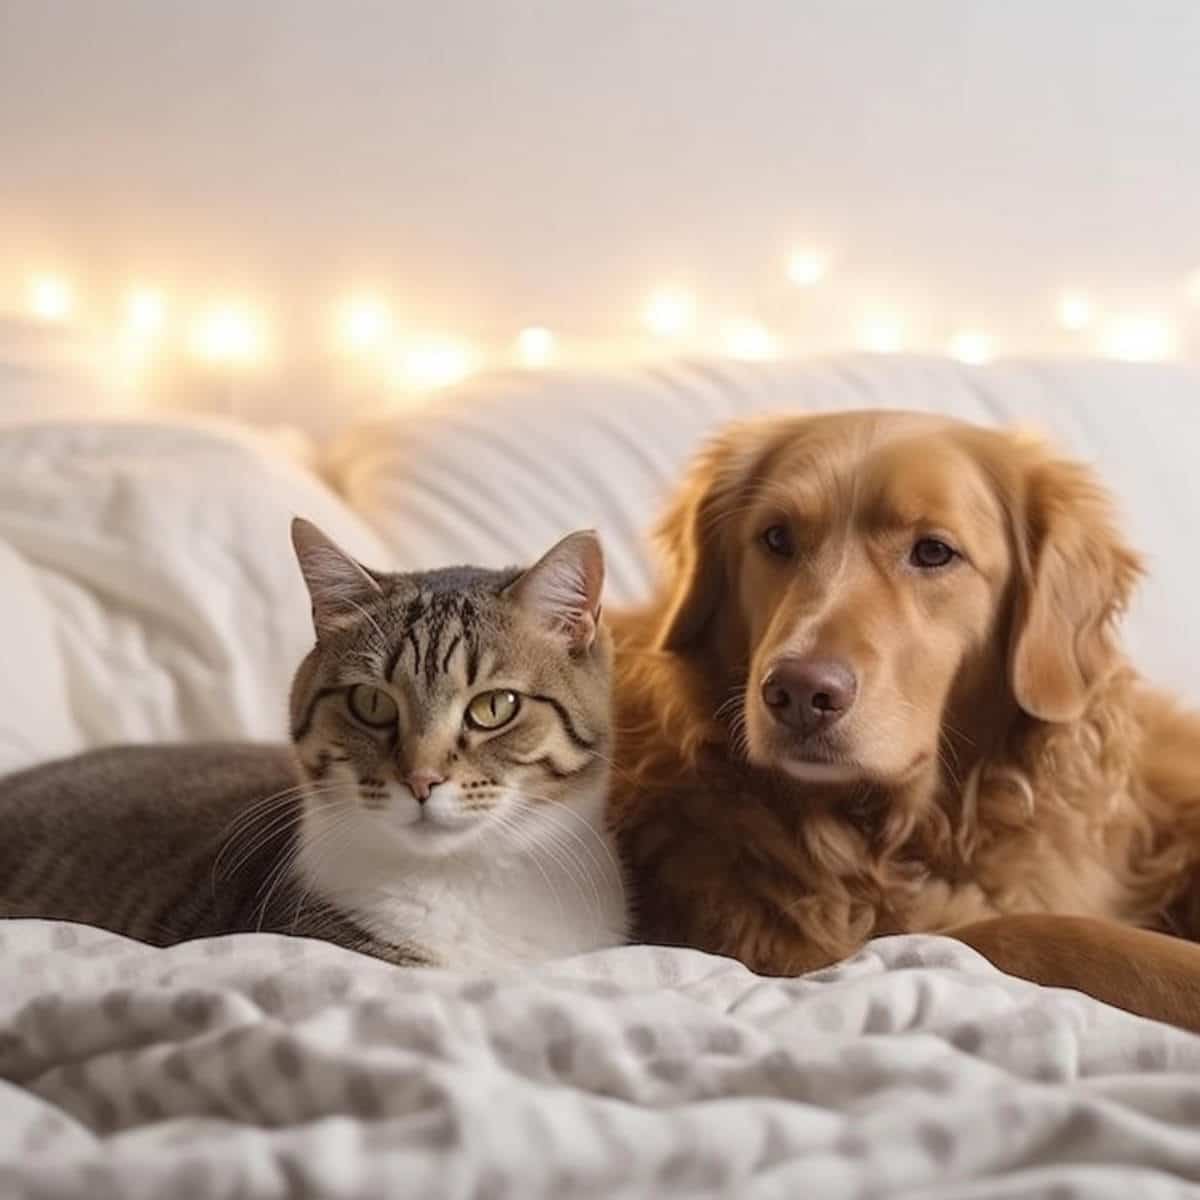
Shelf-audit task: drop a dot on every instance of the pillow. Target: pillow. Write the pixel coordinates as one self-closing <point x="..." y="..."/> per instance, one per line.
<point x="495" y="471"/>
<point x="149" y="591"/>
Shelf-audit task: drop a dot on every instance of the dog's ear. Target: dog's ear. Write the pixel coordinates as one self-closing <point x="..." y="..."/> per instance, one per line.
<point x="1076" y="577"/>
<point x="691" y="531"/>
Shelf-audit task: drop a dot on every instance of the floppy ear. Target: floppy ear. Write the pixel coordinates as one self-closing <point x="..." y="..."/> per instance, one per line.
<point x="1078" y="575"/>
<point x="561" y="591"/>
<point x="690" y="532"/>
<point x="337" y="585"/>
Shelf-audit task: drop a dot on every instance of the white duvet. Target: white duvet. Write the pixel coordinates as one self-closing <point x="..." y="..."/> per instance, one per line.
<point x="259" y="1066"/>
<point x="147" y="592"/>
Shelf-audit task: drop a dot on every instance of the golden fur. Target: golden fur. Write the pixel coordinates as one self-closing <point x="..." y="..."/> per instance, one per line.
<point x="1147" y="973"/>
<point x="1000" y="757"/>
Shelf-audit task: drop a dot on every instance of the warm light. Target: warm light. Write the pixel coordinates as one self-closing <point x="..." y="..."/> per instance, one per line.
<point x="1074" y="311"/>
<point x="806" y="267"/>
<point x="970" y="347"/>
<point x="145" y="313"/>
<point x="881" y="334"/>
<point x="1139" y="339"/>
<point x="231" y="336"/>
<point x="747" y="340"/>
<point x="535" y="346"/>
<point x="1192" y="286"/>
<point x="134" y="355"/>
<point x="51" y="298"/>
<point x="671" y="313"/>
<point x="437" y="364"/>
<point x="365" y="324"/>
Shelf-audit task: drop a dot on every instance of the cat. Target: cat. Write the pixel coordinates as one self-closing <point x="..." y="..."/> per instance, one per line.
<point x="442" y="801"/>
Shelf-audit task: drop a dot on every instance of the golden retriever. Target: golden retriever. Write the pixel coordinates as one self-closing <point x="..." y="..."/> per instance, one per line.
<point x="881" y="692"/>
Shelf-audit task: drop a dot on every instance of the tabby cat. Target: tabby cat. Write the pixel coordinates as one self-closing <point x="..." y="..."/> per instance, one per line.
<point x="442" y="801"/>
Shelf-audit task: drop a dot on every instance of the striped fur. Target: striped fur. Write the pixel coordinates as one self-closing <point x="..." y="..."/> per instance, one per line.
<point x="504" y="859"/>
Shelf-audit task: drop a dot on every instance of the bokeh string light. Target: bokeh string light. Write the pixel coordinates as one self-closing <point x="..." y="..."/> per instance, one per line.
<point x="670" y="312"/>
<point x="235" y="335"/>
<point x="536" y="346"/>
<point x="364" y="324"/>
<point x="229" y="336"/>
<point x="51" y="298"/>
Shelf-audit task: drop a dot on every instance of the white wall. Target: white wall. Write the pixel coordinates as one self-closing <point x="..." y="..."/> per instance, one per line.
<point x="498" y="162"/>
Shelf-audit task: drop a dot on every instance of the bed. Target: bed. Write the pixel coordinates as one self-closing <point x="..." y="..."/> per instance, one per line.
<point x="149" y="593"/>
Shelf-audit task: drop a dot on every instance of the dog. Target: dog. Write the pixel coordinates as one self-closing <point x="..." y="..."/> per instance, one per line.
<point x="881" y="691"/>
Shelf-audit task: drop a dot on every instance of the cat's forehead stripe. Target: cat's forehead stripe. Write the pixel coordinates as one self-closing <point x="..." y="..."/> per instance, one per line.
<point x="455" y="642"/>
<point x="431" y="627"/>
<point x="444" y="626"/>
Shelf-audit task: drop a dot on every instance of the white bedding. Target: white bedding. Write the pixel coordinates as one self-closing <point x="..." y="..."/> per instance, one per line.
<point x="147" y="591"/>
<point x="148" y="587"/>
<point x="500" y="470"/>
<point x="260" y="1066"/>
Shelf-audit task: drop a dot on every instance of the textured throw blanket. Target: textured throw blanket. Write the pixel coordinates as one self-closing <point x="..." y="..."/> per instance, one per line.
<point x="258" y="1066"/>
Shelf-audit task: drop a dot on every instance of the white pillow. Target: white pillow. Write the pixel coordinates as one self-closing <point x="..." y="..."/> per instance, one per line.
<point x="149" y="591"/>
<point x="495" y="471"/>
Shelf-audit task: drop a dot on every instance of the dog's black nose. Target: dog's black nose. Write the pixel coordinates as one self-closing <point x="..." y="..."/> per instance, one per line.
<point x="809" y="694"/>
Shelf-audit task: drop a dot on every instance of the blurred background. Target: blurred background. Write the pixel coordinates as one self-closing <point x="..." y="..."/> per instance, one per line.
<point x="471" y="274"/>
<point x="299" y="204"/>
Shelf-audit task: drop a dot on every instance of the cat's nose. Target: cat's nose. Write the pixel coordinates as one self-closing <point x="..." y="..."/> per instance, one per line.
<point x="421" y="783"/>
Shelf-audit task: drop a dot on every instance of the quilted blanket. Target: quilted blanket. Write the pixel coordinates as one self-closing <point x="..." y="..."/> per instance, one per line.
<point x="268" y="1067"/>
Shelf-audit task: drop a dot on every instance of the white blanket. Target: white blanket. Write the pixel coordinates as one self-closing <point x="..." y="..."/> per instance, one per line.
<point x="260" y="1066"/>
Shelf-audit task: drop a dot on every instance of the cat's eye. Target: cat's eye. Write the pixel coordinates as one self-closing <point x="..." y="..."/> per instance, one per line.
<point x="493" y="710"/>
<point x="372" y="706"/>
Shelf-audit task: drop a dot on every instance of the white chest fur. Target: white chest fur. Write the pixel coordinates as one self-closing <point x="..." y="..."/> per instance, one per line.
<point x="553" y="891"/>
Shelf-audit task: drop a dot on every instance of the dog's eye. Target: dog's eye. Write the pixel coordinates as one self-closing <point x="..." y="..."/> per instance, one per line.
<point x="778" y="540"/>
<point x="930" y="553"/>
<point x="372" y="706"/>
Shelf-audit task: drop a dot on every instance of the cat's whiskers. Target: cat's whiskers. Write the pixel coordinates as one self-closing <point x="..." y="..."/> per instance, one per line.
<point x="247" y="815"/>
<point x="586" y="826"/>
<point x="280" y="868"/>
<point x="526" y="845"/>
<point x="341" y="825"/>
<point x="574" y="866"/>
<point x="270" y="824"/>
<point x="273" y="824"/>
<point x="555" y="841"/>
<point x="550" y="839"/>
<point x="275" y="876"/>
<point x="568" y="862"/>
<point x="260" y="810"/>
<point x="508" y="823"/>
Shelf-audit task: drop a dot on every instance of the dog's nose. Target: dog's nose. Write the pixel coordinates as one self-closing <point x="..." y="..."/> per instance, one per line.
<point x="421" y="783"/>
<point x="808" y="694"/>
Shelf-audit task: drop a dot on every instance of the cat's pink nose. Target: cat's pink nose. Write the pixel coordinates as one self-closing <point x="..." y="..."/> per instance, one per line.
<point x="422" y="782"/>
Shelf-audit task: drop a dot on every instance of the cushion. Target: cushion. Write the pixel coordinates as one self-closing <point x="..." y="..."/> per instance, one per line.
<point x="150" y="591"/>
<point x="495" y="471"/>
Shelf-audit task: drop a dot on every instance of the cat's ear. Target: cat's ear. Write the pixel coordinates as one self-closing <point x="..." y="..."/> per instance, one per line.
<point x="562" y="589"/>
<point x="337" y="585"/>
